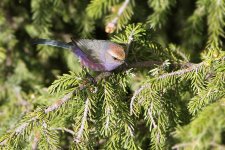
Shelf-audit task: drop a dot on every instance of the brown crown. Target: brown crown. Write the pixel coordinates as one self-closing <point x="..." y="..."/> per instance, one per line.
<point x="117" y="51"/>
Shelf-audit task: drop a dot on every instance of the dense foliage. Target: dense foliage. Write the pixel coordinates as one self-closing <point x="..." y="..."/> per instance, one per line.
<point x="172" y="98"/>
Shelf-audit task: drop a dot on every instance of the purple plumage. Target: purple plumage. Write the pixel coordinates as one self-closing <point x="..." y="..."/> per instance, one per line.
<point x="85" y="61"/>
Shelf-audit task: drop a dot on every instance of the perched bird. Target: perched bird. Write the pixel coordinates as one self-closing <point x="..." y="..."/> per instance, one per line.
<point x="98" y="55"/>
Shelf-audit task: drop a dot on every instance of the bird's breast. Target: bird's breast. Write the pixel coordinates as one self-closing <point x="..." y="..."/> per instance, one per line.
<point x="86" y="61"/>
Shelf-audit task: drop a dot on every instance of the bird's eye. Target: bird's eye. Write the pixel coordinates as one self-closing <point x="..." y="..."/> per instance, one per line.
<point x="115" y="58"/>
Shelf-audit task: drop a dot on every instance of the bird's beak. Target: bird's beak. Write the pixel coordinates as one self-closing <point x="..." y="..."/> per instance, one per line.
<point x="124" y="61"/>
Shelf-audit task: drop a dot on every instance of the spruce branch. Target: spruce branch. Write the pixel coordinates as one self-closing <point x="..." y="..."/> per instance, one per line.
<point x="77" y="139"/>
<point x="111" y="26"/>
<point x="216" y="145"/>
<point x="24" y="125"/>
<point x="21" y="129"/>
<point x="136" y="93"/>
<point x="59" y="103"/>
<point x="161" y="10"/>
<point x="3" y="142"/>
<point x="108" y="111"/>
<point x="194" y="25"/>
<point x="203" y="130"/>
<point x="66" y="130"/>
<point x="130" y="39"/>
<point x="182" y="145"/>
<point x="182" y="71"/>
<point x="97" y="8"/>
<point x="213" y="91"/>
<point x="67" y="97"/>
<point x="35" y="141"/>
<point x="190" y="68"/>
<point x="216" y="22"/>
<point x="151" y="116"/>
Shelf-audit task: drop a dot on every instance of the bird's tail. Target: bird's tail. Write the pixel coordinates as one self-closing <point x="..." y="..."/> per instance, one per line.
<point x="53" y="43"/>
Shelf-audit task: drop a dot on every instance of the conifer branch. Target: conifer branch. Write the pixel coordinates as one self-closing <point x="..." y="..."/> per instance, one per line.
<point x="3" y="142"/>
<point x="84" y="119"/>
<point x="216" y="145"/>
<point x="182" y="145"/>
<point x="59" y="103"/>
<point x="130" y="39"/>
<point x="174" y="96"/>
<point x="111" y="26"/>
<point x="159" y="17"/>
<point x="151" y="117"/>
<point x="24" y="125"/>
<point x="131" y="129"/>
<point x="35" y="141"/>
<point x="136" y="93"/>
<point x="66" y="130"/>
<point x="182" y="71"/>
<point x="107" y="118"/>
<point x="216" y="22"/>
<point x="67" y="97"/>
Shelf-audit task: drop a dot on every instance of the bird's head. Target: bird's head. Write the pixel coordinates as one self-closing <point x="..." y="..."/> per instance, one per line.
<point x="115" y="56"/>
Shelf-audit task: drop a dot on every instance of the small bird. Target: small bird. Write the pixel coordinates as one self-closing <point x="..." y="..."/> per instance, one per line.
<point x="98" y="55"/>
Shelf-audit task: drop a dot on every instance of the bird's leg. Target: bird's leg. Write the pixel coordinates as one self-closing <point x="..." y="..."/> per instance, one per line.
<point x="90" y="78"/>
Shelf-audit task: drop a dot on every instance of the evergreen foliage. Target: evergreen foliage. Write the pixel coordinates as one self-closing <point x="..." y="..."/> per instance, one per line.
<point x="169" y="95"/>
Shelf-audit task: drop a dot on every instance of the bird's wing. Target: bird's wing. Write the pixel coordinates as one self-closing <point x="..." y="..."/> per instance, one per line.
<point x="94" y="49"/>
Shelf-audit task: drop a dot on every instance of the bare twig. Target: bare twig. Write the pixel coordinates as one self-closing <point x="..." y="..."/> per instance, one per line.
<point x="144" y="64"/>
